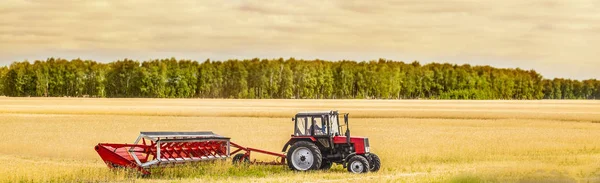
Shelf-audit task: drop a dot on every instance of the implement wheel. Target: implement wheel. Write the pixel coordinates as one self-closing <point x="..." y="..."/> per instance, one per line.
<point x="239" y="158"/>
<point x="304" y="156"/>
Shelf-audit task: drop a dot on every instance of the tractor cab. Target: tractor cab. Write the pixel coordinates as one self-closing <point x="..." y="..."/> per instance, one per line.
<point x="320" y="139"/>
<point x="322" y="123"/>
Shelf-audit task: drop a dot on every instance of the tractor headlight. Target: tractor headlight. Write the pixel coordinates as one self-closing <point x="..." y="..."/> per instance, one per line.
<point x="367" y="148"/>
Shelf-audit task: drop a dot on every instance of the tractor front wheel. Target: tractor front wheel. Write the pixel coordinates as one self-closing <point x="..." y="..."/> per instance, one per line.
<point x="374" y="162"/>
<point x="358" y="164"/>
<point x="304" y="156"/>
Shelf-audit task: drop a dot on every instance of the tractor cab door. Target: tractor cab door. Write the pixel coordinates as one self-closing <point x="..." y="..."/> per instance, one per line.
<point x="319" y="127"/>
<point x="322" y="131"/>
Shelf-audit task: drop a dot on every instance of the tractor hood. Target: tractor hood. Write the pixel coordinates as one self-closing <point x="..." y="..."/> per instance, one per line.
<point x="361" y="144"/>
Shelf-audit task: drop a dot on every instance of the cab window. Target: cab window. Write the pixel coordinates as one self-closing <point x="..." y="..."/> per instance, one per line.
<point x="302" y="126"/>
<point x="311" y="125"/>
<point x="319" y="127"/>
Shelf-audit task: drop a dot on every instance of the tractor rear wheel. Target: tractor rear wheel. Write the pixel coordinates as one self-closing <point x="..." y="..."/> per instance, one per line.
<point x="358" y="164"/>
<point x="326" y="165"/>
<point x="304" y="156"/>
<point x="239" y="158"/>
<point x="374" y="162"/>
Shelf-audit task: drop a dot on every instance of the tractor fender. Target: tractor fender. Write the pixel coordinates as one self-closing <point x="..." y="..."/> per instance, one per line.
<point x="296" y="139"/>
<point x="348" y="158"/>
<point x="285" y="146"/>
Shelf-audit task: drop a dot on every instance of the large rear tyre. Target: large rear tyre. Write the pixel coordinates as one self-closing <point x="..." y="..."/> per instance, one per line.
<point x="303" y="156"/>
<point x="374" y="162"/>
<point x="358" y="164"/>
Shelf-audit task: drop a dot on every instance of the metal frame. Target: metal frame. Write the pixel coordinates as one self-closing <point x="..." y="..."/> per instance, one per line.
<point x="249" y="150"/>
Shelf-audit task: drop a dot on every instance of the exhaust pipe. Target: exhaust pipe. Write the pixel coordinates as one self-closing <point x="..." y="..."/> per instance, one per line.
<point x="347" y="128"/>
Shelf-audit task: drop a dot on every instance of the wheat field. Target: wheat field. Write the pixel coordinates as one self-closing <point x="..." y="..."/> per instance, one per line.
<point x="52" y="139"/>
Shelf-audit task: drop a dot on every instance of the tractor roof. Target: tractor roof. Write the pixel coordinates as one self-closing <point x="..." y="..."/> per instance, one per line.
<point x="206" y="134"/>
<point x="313" y="113"/>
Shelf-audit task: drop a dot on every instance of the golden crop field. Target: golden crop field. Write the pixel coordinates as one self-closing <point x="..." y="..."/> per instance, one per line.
<point x="52" y="139"/>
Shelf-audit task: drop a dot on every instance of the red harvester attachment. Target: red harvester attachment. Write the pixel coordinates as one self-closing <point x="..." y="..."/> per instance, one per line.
<point x="153" y="149"/>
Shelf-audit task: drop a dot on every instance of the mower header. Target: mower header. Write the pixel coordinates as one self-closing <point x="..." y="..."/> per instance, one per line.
<point x="152" y="149"/>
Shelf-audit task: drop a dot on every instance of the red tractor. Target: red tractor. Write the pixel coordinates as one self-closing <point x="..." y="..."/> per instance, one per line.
<point x="318" y="142"/>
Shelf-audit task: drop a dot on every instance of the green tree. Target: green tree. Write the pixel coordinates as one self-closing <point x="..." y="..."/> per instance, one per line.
<point x="123" y="79"/>
<point x="20" y="81"/>
<point x="279" y="78"/>
<point x="3" y="72"/>
<point x="235" y="84"/>
<point x="286" y="81"/>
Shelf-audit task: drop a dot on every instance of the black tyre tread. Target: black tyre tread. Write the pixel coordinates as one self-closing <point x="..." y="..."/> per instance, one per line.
<point x="374" y="162"/>
<point x="238" y="159"/>
<point x="312" y="147"/>
<point x="326" y="165"/>
<point x="360" y="158"/>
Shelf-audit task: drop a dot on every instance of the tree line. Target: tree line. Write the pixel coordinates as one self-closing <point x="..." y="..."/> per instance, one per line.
<point x="283" y="79"/>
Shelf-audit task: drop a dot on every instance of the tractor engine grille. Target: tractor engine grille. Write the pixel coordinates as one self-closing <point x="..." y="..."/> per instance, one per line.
<point x="367" y="149"/>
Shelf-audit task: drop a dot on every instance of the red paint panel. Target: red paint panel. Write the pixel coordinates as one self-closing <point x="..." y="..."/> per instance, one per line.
<point x="359" y="143"/>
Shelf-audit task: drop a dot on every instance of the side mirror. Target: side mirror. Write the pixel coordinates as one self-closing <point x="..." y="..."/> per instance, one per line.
<point x="293" y="119"/>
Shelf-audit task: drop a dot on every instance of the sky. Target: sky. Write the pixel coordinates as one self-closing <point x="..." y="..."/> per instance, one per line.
<point x="557" y="38"/>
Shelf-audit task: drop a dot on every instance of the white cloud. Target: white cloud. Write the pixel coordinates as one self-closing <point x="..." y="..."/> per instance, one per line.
<point x="558" y="38"/>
